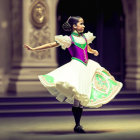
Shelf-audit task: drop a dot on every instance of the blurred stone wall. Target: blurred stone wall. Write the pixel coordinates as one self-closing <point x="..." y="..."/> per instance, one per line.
<point x="132" y="43"/>
<point x="19" y="68"/>
<point x="5" y="43"/>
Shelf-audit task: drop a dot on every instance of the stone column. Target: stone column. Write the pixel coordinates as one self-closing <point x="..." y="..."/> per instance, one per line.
<point x="38" y="27"/>
<point x="138" y="46"/>
<point x="1" y="68"/>
<point x="132" y="37"/>
<point x="1" y="81"/>
<point x="5" y="44"/>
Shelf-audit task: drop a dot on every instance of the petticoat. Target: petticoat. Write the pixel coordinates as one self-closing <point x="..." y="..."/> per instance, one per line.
<point x="90" y="84"/>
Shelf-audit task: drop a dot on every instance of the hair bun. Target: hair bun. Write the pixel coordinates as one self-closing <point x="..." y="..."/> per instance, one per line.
<point x="66" y="26"/>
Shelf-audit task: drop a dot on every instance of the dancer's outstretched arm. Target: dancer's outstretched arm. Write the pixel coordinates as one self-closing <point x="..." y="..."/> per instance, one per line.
<point x="42" y="47"/>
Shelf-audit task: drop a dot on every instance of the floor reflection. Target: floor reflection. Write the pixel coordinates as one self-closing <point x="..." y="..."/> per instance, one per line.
<point x="67" y="132"/>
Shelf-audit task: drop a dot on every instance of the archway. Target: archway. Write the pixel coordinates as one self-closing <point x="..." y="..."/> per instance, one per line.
<point x="106" y="20"/>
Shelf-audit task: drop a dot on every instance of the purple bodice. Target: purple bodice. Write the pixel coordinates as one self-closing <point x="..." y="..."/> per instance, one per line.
<point x="78" y="53"/>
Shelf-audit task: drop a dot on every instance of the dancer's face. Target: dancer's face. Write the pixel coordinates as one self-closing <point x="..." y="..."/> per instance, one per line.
<point x="80" y="26"/>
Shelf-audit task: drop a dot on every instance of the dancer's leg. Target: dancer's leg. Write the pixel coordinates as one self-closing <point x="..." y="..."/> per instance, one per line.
<point x="77" y="110"/>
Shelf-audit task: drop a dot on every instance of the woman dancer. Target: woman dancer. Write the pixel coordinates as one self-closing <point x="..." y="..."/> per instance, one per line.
<point x="81" y="82"/>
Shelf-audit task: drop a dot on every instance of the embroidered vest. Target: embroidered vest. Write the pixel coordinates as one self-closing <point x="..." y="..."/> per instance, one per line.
<point x="78" y="51"/>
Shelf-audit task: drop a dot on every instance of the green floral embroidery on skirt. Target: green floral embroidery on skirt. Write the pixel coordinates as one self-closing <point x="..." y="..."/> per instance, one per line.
<point x="101" y="87"/>
<point x="49" y="78"/>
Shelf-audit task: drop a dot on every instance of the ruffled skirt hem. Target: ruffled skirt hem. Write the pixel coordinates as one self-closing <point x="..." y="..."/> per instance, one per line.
<point x="103" y="89"/>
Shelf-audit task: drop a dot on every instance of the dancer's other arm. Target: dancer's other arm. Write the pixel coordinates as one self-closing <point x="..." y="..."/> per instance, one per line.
<point x="95" y="52"/>
<point x="42" y="47"/>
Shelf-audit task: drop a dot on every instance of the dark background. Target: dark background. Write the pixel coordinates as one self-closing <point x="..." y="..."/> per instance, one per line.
<point x="105" y="18"/>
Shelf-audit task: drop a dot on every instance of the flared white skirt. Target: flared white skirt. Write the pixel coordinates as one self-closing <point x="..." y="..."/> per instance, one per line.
<point x="91" y="84"/>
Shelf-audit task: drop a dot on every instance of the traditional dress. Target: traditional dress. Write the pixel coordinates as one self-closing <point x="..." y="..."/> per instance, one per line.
<point x="81" y="79"/>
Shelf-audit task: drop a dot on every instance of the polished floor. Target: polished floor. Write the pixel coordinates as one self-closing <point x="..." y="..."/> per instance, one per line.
<point x="108" y="127"/>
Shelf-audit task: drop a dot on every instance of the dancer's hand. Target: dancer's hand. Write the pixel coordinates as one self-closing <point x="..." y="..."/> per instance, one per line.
<point x="29" y="48"/>
<point x="95" y="52"/>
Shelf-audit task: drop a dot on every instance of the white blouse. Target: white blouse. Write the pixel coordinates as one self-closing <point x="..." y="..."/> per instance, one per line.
<point x="65" y="41"/>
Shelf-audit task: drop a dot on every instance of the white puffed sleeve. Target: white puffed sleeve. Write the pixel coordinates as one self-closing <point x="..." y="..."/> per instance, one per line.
<point x="64" y="41"/>
<point x="90" y="37"/>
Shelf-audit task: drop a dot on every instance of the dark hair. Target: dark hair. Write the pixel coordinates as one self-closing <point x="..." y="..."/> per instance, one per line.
<point x="68" y="25"/>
